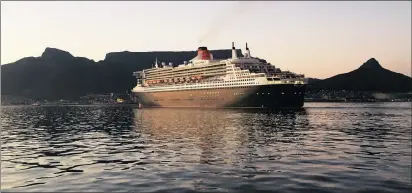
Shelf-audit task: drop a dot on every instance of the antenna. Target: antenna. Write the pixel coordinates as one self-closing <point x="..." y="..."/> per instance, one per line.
<point x="156" y="63"/>
<point x="234" y="54"/>
<point x="247" y="51"/>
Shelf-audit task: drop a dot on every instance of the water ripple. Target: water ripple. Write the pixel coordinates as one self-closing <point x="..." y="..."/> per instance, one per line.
<point x="326" y="147"/>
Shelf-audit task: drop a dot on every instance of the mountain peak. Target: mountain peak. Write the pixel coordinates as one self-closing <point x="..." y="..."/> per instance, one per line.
<point x="55" y="53"/>
<point x="371" y="63"/>
<point x="370" y="76"/>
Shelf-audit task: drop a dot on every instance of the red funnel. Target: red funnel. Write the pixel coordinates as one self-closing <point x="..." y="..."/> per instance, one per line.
<point x="203" y="53"/>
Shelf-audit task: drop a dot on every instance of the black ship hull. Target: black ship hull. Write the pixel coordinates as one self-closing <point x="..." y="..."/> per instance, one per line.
<point x="259" y="96"/>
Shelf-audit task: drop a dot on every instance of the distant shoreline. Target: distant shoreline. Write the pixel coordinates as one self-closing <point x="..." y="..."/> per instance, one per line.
<point x="133" y="104"/>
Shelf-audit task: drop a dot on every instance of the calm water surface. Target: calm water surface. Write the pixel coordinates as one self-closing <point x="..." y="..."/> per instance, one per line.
<point x="326" y="147"/>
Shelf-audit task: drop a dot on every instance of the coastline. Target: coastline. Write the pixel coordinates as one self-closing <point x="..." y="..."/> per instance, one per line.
<point x="136" y="104"/>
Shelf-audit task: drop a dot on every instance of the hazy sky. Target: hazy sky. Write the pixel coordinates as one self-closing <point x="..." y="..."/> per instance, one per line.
<point x="319" y="39"/>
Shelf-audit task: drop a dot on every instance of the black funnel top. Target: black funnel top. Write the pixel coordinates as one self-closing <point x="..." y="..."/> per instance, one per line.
<point x="202" y="48"/>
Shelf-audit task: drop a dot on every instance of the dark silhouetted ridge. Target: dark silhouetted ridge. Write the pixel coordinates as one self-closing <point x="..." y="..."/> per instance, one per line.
<point x="56" y="54"/>
<point x="370" y="76"/>
<point x="57" y="74"/>
<point x="371" y="63"/>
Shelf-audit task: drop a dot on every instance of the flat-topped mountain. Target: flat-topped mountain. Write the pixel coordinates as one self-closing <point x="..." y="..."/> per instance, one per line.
<point x="57" y="74"/>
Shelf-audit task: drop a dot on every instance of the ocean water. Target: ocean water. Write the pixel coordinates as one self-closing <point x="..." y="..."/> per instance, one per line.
<point x="325" y="147"/>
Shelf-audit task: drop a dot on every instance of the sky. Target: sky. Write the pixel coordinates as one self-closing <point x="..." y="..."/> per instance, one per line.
<point x="316" y="38"/>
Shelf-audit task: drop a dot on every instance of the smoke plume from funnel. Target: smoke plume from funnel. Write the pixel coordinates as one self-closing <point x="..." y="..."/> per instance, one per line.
<point x="223" y="19"/>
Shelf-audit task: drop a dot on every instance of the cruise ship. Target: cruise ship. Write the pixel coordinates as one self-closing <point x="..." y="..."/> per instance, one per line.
<point x="207" y="82"/>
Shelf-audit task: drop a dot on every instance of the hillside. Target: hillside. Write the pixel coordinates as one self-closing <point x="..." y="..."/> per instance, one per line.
<point x="370" y="76"/>
<point x="312" y="80"/>
<point x="57" y="74"/>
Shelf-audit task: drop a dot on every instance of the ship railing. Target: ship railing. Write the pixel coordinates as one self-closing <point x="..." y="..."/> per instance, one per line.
<point x="138" y="73"/>
<point x="186" y="84"/>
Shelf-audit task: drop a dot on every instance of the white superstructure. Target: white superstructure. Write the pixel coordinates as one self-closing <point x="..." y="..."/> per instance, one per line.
<point x="204" y="72"/>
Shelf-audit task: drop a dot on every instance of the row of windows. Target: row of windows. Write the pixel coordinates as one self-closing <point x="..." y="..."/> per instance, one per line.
<point x="185" y="71"/>
<point x="203" y="86"/>
<point x="242" y="74"/>
<point x="258" y="66"/>
<point x="249" y="79"/>
<point x="212" y="99"/>
<point x="239" y="80"/>
<point x="214" y="81"/>
<point x="194" y="71"/>
<point x="214" y="72"/>
<point x="250" y="75"/>
<point x="162" y="90"/>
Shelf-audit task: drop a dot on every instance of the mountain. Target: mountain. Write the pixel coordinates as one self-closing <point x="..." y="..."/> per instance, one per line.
<point x="312" y="80"/>
<point x="370" y="76"/>
<point x="57" y="74"/>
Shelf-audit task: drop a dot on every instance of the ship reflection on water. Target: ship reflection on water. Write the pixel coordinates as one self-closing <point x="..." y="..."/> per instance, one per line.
<point x="217" y="136"/>
<point x="348" y="147"/>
